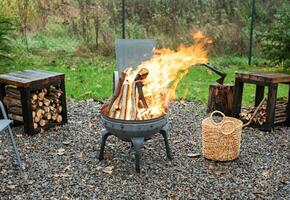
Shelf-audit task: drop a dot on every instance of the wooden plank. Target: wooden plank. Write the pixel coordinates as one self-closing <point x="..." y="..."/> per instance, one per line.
<point x="63" y="102"/>
<point x="20" y="74"/>
<point x="7" y="79"/>
<point x="24" y="78"/>
<point x="259" y="94"/>
<point x="271" y="103"/>
<point x="44" y="73"/>
<point x="26" y="110"/>
<point x="238" y="96"/>
<point x="264" y="77"/>
<point x="37" y="74"/>
<point x="32" y="76"/>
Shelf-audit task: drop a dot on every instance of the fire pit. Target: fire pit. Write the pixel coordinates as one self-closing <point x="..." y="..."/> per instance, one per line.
<point x="134" y="131"/>
<point x="139" y="106"/>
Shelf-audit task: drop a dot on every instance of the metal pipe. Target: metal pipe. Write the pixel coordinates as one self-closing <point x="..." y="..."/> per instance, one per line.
<point x="123" y="19"/>
<point x="251" y="32"/>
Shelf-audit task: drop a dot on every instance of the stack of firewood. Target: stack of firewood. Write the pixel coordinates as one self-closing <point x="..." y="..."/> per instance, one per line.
<point x="45" y="105"/>
<point x="128" y="98"/>
<point x="260" y="116"/>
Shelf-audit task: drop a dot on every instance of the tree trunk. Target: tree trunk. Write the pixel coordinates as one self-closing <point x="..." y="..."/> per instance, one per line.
<point x="221" y="98"/>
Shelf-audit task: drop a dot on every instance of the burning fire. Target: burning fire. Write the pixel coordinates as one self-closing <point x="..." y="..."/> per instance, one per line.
<point x="157" y="79"/>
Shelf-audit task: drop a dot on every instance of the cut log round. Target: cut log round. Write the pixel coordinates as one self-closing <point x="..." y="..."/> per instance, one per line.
<point x="47" y="116"/>
<point x="35" y="125"/>
<point x="34" y="106"/>
<point x="59" y="119"/>
<point x="220" y="98"/>
<point x="40" y="103"/>
<point x="41" y="96"/>
<point x="34" y="96"/>
<point x="43" y="122"/>
<point x="37" y="119"/>
<point x="40" y="112"/>
<point x="46" y="102"/>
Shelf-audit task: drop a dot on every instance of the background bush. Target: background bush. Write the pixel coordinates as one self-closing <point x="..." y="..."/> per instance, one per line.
<point x="87" y="27"/>
<point x="6" y="27"/>
<point x="275" y="41"/>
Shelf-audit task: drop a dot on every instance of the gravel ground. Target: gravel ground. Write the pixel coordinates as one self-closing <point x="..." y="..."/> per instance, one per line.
<point x="63" y="164"/>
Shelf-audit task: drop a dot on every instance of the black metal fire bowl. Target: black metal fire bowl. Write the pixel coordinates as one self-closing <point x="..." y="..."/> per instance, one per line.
<point x="128" y="129"/>
<point x="134" y="131"/>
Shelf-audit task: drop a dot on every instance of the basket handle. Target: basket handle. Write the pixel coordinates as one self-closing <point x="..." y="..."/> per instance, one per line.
<point x="227" y="132"/>
<point x="217" y="112"/>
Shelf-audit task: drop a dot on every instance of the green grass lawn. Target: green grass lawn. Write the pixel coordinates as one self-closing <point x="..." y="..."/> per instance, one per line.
<point x="91" y="77"/>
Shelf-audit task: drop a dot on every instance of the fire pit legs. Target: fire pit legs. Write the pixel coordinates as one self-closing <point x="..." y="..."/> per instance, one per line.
<point x="105" y="135"/>
<point x="164" y="132"/>
<point x="137" y="143"/>
<point x="136" y="132"/>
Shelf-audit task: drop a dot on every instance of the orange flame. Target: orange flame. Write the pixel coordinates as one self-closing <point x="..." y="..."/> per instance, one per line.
<point x="166" y="68"/>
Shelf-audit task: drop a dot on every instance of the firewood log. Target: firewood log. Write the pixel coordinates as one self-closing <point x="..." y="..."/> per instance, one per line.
<point x="128" y="103"/>
<point x="54" y="116"/>
<point x="33" y="114"/>
<point x="134" y="100"/>
<point x="59" y="109"/>
<point x="47" y="116"/>
<point x="40" y="103"/>
<point x="51" y="108"/>
<point x="59" y="119"/>
<point x="43" y="122"/>
<point x="34" y="106"/>
<point x="118" y="89"/>
<point x="55" y="91"/>
<point x="41" y="96"/>
<point x="35" y="125"/>
<point x="15" y="117"/>
<point x="12" y="92"/>
<point x="40" y="112"/>
<point x="46" y="102"/>
<point x="34" y="96"/>
<point x="15" y="110"/>
<point x="44" y="90"/>
<point x="36" y="119"/>
<point x="9" y="101"/>
<point x="46" y="109"/>
<point x="124" y="101"/>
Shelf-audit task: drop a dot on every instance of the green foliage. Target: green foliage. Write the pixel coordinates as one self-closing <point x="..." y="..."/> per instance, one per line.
<point x="275" y="41"/>
<point x="6" y="27"/>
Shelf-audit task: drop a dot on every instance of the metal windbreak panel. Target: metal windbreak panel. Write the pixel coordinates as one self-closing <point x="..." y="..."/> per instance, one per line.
<point x="132" y="52"/>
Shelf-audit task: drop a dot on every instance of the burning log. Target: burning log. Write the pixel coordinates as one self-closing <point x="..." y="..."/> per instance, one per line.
<point x="125" y="101"/>
<point x="134" y="102"/>
<point x="114" y="103"/>
<point x="142" y="75"/>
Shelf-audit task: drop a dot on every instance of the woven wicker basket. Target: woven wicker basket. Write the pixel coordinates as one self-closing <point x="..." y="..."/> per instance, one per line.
<point x="221" y="141"/>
